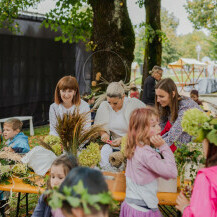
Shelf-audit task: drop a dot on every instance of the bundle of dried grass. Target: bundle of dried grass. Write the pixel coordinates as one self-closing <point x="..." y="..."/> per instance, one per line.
<point x="116" y="159"/>
<point x="10" y="156"/>
<point x="72" y="131"/>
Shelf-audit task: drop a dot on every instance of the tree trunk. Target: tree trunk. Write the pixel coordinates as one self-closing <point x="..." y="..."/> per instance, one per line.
<point x="153" y="47"/>
<point x="115" y="39"/>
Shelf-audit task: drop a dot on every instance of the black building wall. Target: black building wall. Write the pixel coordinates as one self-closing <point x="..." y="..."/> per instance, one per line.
<point x="31" y="63"/>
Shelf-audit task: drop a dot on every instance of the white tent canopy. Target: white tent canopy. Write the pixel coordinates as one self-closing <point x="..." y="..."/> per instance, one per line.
<point x="186" y="61"/>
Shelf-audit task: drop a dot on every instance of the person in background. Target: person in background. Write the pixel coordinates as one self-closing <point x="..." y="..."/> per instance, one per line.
<point x="148" y="96"/>
<point x="195" y="96"/>
<point x="134" y="92"/>
<point x="66" y="100"/>
<point x="145" y="165"/>
<point x="16" y="140"/>
<point x="59" y="170"/>
<point x="90" y="99"/>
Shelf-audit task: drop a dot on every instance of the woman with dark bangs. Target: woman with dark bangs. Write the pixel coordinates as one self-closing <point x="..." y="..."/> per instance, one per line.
<point x="66" y="100"/>
<point x="171" y="107"/>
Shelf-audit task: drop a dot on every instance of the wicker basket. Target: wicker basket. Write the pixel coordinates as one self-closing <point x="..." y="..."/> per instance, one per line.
<point x="116" y="181"/>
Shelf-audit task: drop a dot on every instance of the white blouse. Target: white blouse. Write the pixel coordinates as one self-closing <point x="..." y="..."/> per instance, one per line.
<point x="59" y="110"/>
<point x="117" y="122"/>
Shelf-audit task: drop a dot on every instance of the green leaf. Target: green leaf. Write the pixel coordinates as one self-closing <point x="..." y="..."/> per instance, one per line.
<point x="213" y="121"/>
<point x="73" y="201"/>
<point x="212" y="136"/>
<point x="201" y="136"/>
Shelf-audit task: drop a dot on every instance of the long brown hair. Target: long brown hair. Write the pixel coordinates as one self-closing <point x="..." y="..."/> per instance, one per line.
<point x="139" y="127"/>
<point x="168" y="86"/>
<point x="211" y="159"/>
<point x="67" y="82"/>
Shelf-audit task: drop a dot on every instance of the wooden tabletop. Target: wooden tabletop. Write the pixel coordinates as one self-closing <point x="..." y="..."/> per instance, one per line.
<point x="17" y="185"/>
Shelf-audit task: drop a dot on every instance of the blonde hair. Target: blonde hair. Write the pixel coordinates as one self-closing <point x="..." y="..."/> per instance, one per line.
<point x="115" y="89"/>
<point x="139" y="127"/>
<point x="14" y="123"/>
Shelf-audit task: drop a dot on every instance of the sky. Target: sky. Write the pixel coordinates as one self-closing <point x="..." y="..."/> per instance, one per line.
<point x="173" y="6"/>
<point x="137" y="14"/>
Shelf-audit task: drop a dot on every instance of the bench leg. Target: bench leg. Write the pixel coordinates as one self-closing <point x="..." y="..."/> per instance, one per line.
<point x="31" y="127"/>
<point x="27" y="205"/>
<point x="18" y="204"/>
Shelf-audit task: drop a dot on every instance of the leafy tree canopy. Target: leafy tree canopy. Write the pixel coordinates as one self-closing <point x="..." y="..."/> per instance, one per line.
<point x="203" y="14"/>
<point x="72" y="17"/>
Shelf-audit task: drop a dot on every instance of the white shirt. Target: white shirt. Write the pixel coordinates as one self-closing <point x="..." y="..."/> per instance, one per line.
<point x="59" y="110"/>
<point x="117" y="122"/>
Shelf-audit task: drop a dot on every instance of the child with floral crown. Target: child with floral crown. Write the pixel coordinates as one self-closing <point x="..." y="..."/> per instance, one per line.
<point x="145" y="165"/>
<point x="203" y="201"/>
<point x="84" y="193"/>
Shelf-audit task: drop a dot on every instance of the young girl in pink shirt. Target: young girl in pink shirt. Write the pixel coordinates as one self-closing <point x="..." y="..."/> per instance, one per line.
<point x="145" y="164"/>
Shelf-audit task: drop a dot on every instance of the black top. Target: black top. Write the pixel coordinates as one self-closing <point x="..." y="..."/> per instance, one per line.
<point x="148" y="96"/>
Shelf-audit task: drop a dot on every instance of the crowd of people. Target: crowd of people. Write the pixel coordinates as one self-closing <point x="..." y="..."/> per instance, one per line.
<point x="154" y="131"/>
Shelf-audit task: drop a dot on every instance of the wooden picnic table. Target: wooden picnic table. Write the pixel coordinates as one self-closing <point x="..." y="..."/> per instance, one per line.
<point x="17" y="185"/>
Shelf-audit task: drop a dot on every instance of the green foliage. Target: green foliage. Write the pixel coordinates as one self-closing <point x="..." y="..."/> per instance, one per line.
<point x="170" y="49"/>
<point x="197" y="124"/>
<point x="9" y="10"/>
<point x="74" y="19"/>
<point x="186" y="44"/>
<point x="193" y="120"/>
<point x="90" y="156"/>
<point x="185" y="154"/>
<point x="202" y="13"/>
<point x="83" y="198"/>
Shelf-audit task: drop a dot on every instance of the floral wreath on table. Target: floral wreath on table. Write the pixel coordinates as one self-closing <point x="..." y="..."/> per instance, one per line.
<point x="199" y="125"/>
<point x="81" y="199"/>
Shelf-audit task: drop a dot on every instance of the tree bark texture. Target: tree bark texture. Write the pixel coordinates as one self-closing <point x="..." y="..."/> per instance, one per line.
<point x="115" y="39"/>
<point x="153" y="49"/>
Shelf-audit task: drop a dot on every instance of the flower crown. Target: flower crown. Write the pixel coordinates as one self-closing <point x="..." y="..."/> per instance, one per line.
<point x="199" y="125"/>
<point x="82" y="199"/>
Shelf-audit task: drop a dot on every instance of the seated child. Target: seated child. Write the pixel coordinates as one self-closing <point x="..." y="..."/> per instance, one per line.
<point x="16" y="140"/>
<point x="59" y="170"/>
<point x="194" y="95"/>
<point x="94" y="186"/>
